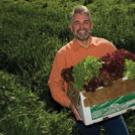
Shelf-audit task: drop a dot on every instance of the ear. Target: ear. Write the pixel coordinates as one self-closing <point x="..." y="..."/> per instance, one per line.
<point x="92" y="25"/>
<point x="70" y="27"/>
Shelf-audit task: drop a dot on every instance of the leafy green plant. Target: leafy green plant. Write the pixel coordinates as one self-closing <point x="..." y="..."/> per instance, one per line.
<point x="86" y="70"/>
<point x="22" y="113"/>
<point x="114" y="20"/>
<point x="31" y="32"/>
<point x="93" y="72"/>
<point x="129" y="69"/>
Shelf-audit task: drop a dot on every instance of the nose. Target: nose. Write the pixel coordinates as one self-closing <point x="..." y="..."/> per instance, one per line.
<point x="81" y="25"/>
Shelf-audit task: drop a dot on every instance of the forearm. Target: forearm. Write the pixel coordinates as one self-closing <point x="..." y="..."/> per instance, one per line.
<point x="59" y="95"/>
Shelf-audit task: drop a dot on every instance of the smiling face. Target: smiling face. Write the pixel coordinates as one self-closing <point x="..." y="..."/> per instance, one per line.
<point x="81" y="26"/>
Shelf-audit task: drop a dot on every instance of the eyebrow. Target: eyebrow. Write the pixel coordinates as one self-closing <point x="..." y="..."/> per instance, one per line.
<point x="87" y="20"/>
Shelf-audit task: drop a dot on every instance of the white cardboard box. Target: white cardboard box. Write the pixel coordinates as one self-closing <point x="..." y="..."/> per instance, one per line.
<point x="104" y="103"/>
<point x="106" y="110"/>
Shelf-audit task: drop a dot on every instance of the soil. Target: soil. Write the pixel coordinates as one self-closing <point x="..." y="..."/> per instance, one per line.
<point x="118" y="88"/>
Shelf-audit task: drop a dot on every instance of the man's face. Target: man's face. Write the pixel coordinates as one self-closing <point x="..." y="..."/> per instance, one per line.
<point x="81" y="26"/>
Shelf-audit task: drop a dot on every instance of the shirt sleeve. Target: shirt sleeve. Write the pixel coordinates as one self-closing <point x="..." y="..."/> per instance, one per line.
<point x="111" y="47"/>
<point x="56" y="82"/>
<point x="107" y="47"/>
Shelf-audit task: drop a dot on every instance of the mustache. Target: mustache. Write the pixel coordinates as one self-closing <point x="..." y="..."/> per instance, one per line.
<point x="82" y="30"/>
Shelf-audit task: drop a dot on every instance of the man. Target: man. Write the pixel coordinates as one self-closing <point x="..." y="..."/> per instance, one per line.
<point x="83" y="45"/>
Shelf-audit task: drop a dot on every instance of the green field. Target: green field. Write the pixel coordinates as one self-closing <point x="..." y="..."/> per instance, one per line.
<point x="31" y="32"/>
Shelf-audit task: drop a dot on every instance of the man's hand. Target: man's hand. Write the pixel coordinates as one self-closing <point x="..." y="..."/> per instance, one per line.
<point x="75" y="111"/>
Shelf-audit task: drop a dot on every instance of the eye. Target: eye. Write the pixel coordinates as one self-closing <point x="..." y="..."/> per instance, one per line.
<point x="86" y="22"/>
<point x="76" y="23"/>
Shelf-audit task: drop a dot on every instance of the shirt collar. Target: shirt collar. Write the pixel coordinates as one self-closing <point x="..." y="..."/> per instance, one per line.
<point x="77" y="46"/>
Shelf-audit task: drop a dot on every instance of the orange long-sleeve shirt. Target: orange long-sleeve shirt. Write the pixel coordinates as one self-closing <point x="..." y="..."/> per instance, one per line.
<point x="70" y="55"/>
